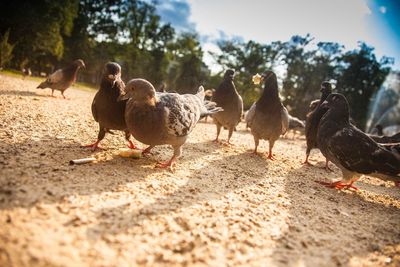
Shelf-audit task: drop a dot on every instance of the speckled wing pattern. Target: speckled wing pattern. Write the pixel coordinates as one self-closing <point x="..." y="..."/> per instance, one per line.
<point x="358" y="153"/>
<point x="182" y="112"/>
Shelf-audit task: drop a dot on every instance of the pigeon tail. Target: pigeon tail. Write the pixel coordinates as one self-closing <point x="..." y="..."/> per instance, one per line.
<point x="210" y="108"/>
<point x="200" y="92"/>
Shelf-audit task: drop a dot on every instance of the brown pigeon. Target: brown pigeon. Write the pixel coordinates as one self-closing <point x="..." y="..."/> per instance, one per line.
<point x="106" y="110"/>
<point x="62" y="79"/>
<point x="163" y="118"/>
<point x="353" y="151"/>
<point x="268" y="118"/>
<point x="227" y="97"/>
<point x="312" y="120"/>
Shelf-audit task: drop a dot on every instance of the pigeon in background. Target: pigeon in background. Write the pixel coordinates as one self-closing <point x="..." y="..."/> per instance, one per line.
<point x="312" y="121"/>
<point x="207" y="97"/>
<point x="353" y="151"/>
<point x="268" y="118"/>
<point x="163" y="118"/>
<point x="26" y="72"/>
<point x="62" y="79"/>
<point x="295" y="124"/>
<point x="106" y="110"/>
<point x="227" y="97"/>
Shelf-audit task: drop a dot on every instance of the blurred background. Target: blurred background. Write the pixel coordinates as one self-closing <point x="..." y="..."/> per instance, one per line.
<point x="181" y="44"/>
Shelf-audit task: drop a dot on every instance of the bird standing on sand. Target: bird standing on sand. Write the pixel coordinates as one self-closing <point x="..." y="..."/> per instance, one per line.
<point x="106" y="110"/>
<point x="354" y="152"/>
<point x="163" y="118"/>
<point x="227" y="97"/>
<point x="62" y="79"/>
<point x="313" y="118"/>
<point x="268" y="118"/>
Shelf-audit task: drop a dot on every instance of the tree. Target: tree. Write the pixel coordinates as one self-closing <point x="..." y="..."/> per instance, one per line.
<point x="360" y="76"/>
<point x="38" y="32"/>
<point x="6" y="49"/>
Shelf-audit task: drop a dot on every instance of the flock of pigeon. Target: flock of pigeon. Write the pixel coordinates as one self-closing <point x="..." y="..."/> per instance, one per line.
<point x="158" y="118"/>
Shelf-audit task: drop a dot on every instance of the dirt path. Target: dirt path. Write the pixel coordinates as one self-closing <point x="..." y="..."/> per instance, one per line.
<point x="222" y="206"/>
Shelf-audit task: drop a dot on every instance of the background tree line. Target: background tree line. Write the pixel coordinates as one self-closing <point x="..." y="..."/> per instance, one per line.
<point x="44" y="35"/>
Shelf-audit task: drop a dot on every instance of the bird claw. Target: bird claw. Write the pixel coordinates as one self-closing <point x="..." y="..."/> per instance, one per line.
<point x="228" y="144"/>
<point x="306" y="162"/>
<point x="328" y="169"/>
<point x="271" y="157"/>
<point x="131" y="145"/>
<point x="338" y="185"/>
<point x="93" y="146"/>
<point x="167" y="164"/>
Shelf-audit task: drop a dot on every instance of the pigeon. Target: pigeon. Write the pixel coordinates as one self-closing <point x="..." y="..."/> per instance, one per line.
<point x="62" y="79"/>
<point x="294" y="124"/>
<point x="268" y="118"/>
<point x="163" y="118"/>
<point x="353" y="151"/>
<point x="106" y="110"/>
<point x="312" y="120"/>
<point x="227" y="97"/>
<point x="207" y="97"/>
<point x="26" y="72"/>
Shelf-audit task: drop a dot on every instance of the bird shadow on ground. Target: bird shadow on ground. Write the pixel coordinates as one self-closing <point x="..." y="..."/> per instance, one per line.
<point x="327" y="227"/>
<point x="38" y="171"/>
<point x="22" y="93"/>
<point x="35" y="172"/>
<point x="205" y="184"/>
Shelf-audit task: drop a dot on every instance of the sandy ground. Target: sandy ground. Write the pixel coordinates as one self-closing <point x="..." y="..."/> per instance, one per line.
<point x="222" y="206"/>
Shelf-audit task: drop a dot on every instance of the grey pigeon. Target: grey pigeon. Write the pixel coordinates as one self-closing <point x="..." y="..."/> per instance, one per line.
<point x="62" y="79"/>
<point x="268" y="118"/>
<point x="353" y="151"/>
<point x="163" y="118"/>
<point x="227" y="97"/>
<point x="312" y="120"/>
<point x="295" y="124"/>
<point x="106" y="110"/>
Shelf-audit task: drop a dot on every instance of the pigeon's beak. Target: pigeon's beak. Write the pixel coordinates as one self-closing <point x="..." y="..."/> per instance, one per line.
<point x="83" y="65"/>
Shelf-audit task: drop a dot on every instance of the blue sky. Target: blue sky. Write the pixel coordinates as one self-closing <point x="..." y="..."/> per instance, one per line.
<point x="376" y="22"/>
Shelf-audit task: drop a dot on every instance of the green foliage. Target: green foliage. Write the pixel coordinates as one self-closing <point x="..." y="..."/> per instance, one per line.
<point x="48" y="34"/>
<point x="361" y="75"/>
<point x="6" y="50"/>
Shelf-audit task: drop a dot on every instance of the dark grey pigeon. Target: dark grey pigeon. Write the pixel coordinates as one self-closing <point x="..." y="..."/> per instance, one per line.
<point x="312" y="120"/>
<point x="268" y="118"/>
<point x="353" y="151"/>
<point x="62" y="79"/>
<point x="163" y="118"/>
<point x="106" y="110"/>
<point x="227" y="97"/>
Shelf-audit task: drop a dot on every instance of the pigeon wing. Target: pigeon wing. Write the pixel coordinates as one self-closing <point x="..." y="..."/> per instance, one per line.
<point x="357" y="152"/>
<point x="250" y="115"/>
<point x="182" y="112"/>
<point x="55" y="77"/>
